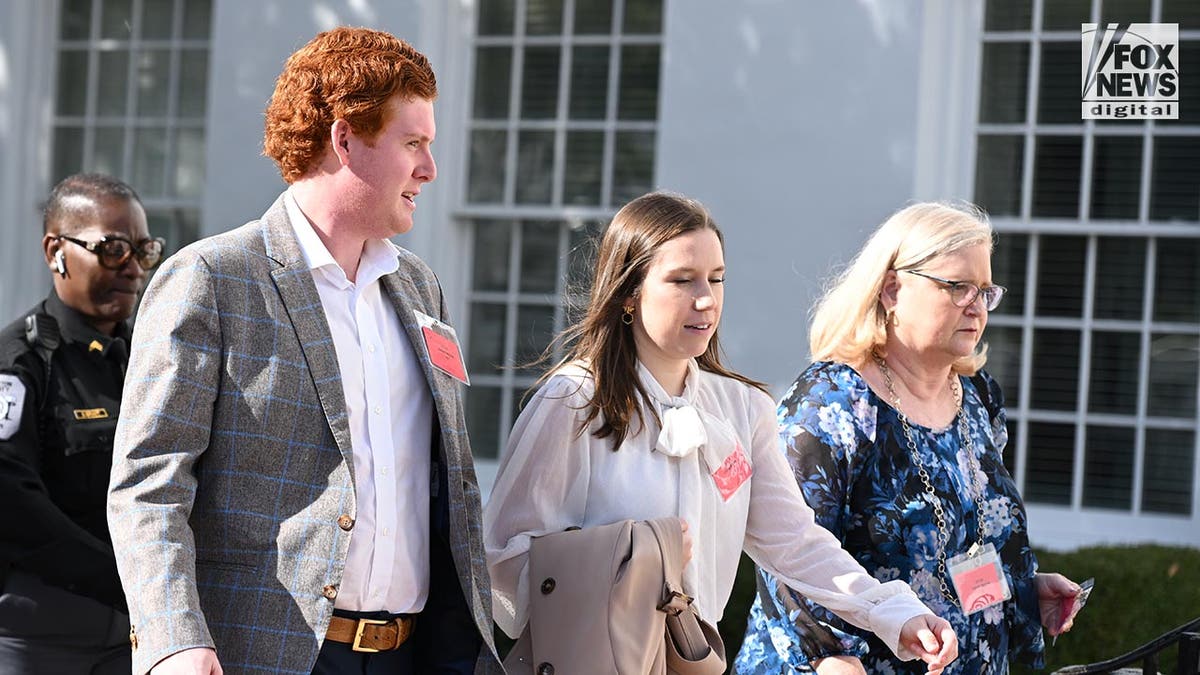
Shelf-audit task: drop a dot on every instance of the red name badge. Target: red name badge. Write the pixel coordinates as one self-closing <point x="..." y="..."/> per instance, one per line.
<point x="732" y="473"/>
<point x="441" y="344"/>
<point x="978" y="579"/>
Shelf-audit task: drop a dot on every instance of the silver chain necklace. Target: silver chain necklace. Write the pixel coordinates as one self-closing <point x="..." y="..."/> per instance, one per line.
<point x="939" y="513"/>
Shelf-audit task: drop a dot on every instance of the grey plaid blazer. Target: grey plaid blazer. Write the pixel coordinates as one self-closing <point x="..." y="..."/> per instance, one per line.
<point x="232" y="460"/>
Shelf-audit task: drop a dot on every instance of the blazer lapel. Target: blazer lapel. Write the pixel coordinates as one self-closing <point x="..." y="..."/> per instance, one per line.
<point x="298" y="292"/>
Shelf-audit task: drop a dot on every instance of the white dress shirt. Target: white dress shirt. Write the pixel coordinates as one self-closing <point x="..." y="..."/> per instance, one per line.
<point x="552" y="477"/>
<point x="391" y="421"/>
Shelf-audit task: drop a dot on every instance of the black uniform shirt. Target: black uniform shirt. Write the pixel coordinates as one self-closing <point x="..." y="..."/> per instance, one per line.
<point x="55" y="461"/>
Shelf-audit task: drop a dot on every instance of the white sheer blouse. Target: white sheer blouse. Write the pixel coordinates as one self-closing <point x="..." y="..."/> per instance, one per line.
<point x="553" y="477"/>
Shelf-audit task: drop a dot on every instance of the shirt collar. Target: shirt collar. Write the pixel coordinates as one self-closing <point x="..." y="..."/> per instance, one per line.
<point x="379" y="257"/>
<point x="74" y="328"/>
<point x="660" y="395"/>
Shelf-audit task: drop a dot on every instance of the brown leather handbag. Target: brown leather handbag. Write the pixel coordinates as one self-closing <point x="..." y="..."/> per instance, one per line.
<point x="609" y="600"/>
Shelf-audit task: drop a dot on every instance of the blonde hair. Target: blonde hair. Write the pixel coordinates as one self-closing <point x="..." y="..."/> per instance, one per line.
<point x="849" y="321"/>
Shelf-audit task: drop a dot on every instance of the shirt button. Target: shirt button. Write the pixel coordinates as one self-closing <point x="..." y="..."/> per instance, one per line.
<point x="378" y="410"/>
<point x="345" y="522"/>
<point x="371" y="348"/>
<point x="330" y="592"/>
<point x="386" y="532"/>
<point x="383" y="471"/>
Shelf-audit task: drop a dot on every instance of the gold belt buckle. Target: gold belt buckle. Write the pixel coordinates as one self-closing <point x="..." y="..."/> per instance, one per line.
<point x="358" y="635"/>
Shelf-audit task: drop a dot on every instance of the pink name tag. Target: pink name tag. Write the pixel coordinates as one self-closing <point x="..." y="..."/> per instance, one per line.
<point x="441" y="344"/>
<point x="732" y="473"/>
<point x="978" y="579"/>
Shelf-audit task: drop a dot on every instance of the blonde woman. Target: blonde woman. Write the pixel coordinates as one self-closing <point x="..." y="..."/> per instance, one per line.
<point x="895" y="434"/>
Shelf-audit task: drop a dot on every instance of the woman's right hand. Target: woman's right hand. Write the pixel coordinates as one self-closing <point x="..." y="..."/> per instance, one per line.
<point x="687" y="543"/>
<point x="839" y="665"/>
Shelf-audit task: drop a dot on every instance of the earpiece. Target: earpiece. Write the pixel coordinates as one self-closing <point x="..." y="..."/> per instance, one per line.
<point x="60" y="263"/>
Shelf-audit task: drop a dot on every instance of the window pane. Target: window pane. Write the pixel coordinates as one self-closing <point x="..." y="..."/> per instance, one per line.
<point x="486" y="182"/>
<point x="581" y="260"/>
<point x="1060" y="276"/>
<point x="1008" y="15"/>
<point x="495" y="17"/>
<point x="157" y="19"/>
<point x="1051" y="455"/>
<point x="108" y="151"/>
<point x="535" y="167"/>
<point x="493" y="72"/>
<point x="589" y="83"/>
<point x="1187" y="58"/>
<point x="539" y="257"/>
<point x="75" y="19"/>
<point x="116" y="20"/>
<point x="1116" y="177"/>
<point x="1066" y="14"/>
<point x="1125" y="11"/>
<point x="1167" y="471"/>
<point x="483" y="419"/>
<point x="543" y="17"/>
<point x="492" y="239"/>
<point x="1175" y="183"/>
<point x="1006" y="78"/>
<point x="998" y="165"/>
<point x="111" y="83"/>
<point x="193" y="84"/>
<point x="593" y="17"/>
<point x="535" y="329"/>
<point x="539" y="88"/>
<point x="149" y="161"/>
<point x="1058" y="83"/>
<point x="1108" y="468"/>
<point x="1186" y="13"/>
<point x="633" y="173"/>
<point x="638" y="98"/>
<point x="1055" y="375"/>
<point x="197" y="16"/>
<point x="1176" y="294"/>
<point x="1056" y="176"/>
<point x="68" y="152"/>
<point x="486" y="353"/>
<point x="1004" y="361"/>
<point x="1114" y="377"/>
<point x="72" y="82"/>
<point x="643" y="16"/>
<point x="153" y="77"/>
<point x="1120" y="277"/>
<point x="1009" y="262"/>
<point x="189" y="163"/>
<point x="585" y="161"/>
<point x="1173" y="374"/>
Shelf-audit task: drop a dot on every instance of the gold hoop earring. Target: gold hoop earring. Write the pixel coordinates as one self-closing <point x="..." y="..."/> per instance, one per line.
<point x="627" y="316"/>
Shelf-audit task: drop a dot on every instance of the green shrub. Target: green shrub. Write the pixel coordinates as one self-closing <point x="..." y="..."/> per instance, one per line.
<point x="1141" y="592"/>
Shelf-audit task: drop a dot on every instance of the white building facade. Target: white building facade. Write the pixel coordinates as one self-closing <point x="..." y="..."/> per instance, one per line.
<point x="800" y="124"/>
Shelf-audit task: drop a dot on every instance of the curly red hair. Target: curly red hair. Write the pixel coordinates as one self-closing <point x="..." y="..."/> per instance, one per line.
<point x="345" y="73"/>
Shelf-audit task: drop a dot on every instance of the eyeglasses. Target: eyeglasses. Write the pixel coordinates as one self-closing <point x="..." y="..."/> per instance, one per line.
<point x="963" y="293"/>
<point x="114" y="251"/>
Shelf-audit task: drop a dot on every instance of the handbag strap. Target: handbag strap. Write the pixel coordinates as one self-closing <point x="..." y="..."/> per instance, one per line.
<point x="670" y="543"/>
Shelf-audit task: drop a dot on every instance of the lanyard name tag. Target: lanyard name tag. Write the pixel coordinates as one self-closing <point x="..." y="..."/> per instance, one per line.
<point x="978" y="578"/>
<point x="732" y="473"/>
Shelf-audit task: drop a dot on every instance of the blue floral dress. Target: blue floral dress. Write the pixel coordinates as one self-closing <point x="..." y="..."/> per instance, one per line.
<point x="848" y="451"/>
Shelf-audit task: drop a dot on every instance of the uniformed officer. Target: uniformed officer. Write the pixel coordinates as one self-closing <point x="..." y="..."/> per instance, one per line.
<point x="62" y="366"/>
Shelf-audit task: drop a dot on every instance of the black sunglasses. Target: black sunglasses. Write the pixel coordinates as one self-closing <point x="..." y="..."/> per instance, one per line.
<point x="114" y="251"/>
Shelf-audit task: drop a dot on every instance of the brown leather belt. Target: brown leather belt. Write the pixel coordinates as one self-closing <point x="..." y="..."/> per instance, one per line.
<point x="370" y="635"/>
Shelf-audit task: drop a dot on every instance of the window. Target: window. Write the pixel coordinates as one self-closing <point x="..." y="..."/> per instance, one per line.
<point x="1097" y="346"/>
<point x="562" y="131"/>
<point x="131" y="101"/>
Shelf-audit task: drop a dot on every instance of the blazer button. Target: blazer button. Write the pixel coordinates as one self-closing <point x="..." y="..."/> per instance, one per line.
<point x="330" y="592"/>
<point x="345" y="522"/>
<point x="545" y="669"/>
<point x="548" y="586"/>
